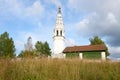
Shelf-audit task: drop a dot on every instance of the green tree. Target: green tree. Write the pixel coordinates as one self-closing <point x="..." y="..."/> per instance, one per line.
<point x="42" y="48"/>
<point x="26" y="54"/>
<point x="47" y="48"/>
<point x="39" y="48"/>
<point x="96" y="40"/>
<point x="7" y="47"/>
<point x="21" y="54"/>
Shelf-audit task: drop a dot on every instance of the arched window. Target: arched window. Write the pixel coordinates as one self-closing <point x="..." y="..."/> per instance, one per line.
<point x="57" y="32"/>
<point x="61" y="32"/>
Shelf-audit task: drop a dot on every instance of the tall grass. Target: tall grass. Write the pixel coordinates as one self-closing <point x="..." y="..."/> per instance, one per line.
<point x="58" y="69"/>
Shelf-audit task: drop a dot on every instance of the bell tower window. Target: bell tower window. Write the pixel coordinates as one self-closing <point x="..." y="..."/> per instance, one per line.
<point x="61" y="32"/>
<point x="57" y="32"/>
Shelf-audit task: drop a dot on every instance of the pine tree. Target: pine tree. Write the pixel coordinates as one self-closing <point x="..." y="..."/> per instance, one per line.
<point x="38" y="47"/>
<point x="7" y="47"/>
<point x="42" y="48"/>
<point x="96" y="40"/>
<point x="47" y="48"/>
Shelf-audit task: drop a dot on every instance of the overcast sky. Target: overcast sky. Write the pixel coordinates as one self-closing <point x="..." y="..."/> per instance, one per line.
<point x="83" y="19"/>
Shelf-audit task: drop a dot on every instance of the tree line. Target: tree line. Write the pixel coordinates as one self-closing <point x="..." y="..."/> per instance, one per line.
<point x="42" y="49"/>
<point x="7" y="48"/>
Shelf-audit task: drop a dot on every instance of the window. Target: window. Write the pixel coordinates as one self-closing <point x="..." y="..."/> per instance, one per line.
<point x="57" y="32"/>
<point x="61" y="32"/>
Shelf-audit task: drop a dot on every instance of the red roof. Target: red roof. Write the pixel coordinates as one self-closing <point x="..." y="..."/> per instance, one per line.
<point x="85" y="48"/>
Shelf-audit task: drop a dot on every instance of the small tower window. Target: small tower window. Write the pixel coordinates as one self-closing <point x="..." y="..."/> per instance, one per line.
<point x="57" y="32"/>
<point x="61" y="32"/>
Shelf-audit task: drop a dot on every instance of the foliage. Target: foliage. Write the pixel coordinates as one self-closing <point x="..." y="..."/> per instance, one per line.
<point x="96" y="40"/>
<point x="42" y="48"/>
<point x="7" y="47"/>
<point x="58" y="69"/>
<point x="26" y="54"/>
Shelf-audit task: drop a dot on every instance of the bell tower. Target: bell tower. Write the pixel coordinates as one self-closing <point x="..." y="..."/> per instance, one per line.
<point x="59" y="36"/>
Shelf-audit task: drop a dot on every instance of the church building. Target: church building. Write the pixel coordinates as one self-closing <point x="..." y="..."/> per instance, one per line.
<point x="58" y="37"/>
<point x="59" y="50"/>
<point x="86" y="52"/>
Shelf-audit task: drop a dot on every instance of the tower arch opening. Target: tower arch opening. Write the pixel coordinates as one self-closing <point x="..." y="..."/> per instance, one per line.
<point x="57" y="33"/>
<point x="61" y="33"/>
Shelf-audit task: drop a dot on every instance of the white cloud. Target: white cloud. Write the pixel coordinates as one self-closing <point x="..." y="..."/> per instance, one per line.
<point x="102" y="18"/>
<point x="70" y="42"/>
<point x="114" y="50"/>
<point x="34" y="10"/>
<point x="111" y="18"/>
<point x="94" y="5"/>
<point x="104" y="26"/>
<point x="20" y="10"/>
<point x="57" y="3"/>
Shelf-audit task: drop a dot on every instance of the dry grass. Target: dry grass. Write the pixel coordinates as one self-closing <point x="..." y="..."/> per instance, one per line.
<point x="58" y="69"/>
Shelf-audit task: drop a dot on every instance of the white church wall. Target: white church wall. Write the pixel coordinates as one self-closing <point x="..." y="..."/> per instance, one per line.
<point x="81" y="56"/>
<point x="59" y="45"/>
<point x="103" y="55"/>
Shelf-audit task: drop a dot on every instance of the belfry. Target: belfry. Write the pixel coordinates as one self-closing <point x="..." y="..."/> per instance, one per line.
<point x="59" y="36"/>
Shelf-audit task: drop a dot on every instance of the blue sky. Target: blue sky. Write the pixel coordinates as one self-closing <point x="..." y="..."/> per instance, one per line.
<point x="83" y="19"/>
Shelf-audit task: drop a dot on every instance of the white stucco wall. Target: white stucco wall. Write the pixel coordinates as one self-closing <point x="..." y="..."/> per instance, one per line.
<point x="103" y="55"/>
<point x="81" y="56"/>
<point x="59" y="45"/>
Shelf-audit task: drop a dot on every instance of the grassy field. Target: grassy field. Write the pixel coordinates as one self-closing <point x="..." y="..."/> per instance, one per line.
<point x="58" y="69"/>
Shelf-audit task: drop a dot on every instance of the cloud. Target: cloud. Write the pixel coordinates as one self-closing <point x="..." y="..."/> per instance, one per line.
<point x="57" y="3"/>
<point x="107" y="26"/>
<point x="70" y="42"/>
<point x="115" y="50"/>
<point x="99" y="20"/>
<point x="94" y="5"/>
<point x="16" y="8"/>
<point x="35" y="9"/>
